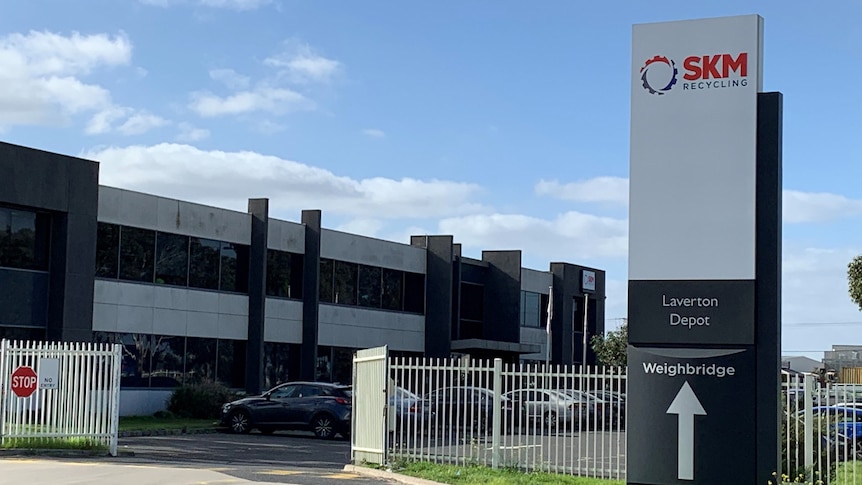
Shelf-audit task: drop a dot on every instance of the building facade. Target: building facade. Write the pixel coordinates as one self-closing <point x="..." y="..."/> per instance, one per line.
<point x="194" y="292"/>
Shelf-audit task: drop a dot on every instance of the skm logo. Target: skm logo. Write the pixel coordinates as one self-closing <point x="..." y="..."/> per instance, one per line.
<point x="659" y="73"/>
<point x="707" y="67"/>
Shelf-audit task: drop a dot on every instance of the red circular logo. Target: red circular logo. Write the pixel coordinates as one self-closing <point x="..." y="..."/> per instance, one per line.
<point x="24" y="381"/>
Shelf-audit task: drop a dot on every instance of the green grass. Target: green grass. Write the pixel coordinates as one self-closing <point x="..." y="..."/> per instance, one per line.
<point x="146" y="423"/>
<point x="54" y="444"/>
<point x="844" y="474"/>
<point x="480" y="475"/>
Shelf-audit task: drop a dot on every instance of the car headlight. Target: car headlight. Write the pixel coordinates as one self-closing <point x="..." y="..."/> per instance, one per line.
<point x="226" y="408"/>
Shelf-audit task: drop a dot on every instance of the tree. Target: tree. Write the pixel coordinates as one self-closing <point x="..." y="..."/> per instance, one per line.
<point x="611" y="348"/>
<point x="854" y="279"/>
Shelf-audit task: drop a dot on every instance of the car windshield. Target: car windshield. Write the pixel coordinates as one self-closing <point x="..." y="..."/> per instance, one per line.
<point x="401" y="393"/>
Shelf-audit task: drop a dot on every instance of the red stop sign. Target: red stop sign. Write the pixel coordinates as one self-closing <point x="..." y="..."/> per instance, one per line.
<point x="24" y="381"/>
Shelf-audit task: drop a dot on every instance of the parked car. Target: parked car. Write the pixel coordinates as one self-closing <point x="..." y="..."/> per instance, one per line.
<point x="468" y="407"/>
<point x="549" y="407"/>
<point x="847" y="420"/>
<point x="599" y="412"/>
<point x="319" y="407"/>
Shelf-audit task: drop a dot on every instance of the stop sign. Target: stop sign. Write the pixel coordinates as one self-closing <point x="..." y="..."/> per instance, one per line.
<point x="24" y="381"/>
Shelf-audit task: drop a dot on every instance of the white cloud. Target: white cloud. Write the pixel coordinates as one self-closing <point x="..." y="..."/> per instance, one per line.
<point x="598" y="189"/>
<point x="301" y="64"/>
<point x="188" y="133"/>
<point x="267" y="99"/>
<point x="41" y="75"/>
<point x="374" y="133"/>
<point x="228" y="179"/>
<point x="570" y="236"/>
<point x="230" y="78"/>
<point x="104" y="120"/>
<point x="818" y="207"/>
<point x="140" y="123"/>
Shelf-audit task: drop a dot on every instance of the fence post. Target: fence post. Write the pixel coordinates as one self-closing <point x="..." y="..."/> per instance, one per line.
<point x="4" y="399"/>
<point x="496" y="415"/>
<point x="808" y="389"/>
<point x="116" y="369"/>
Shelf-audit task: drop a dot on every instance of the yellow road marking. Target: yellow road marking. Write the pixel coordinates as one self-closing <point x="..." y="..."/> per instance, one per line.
<point x="281" y="472"/>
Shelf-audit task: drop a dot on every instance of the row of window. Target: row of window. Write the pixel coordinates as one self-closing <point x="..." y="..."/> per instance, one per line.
<point x="371" y="286"/>
<point x="25" y="237"/>
<point x="160" y="361"/>
<point x="134" y="254"/>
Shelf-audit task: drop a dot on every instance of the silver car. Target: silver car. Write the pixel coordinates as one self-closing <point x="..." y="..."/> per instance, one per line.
<point x="546" y="406"/>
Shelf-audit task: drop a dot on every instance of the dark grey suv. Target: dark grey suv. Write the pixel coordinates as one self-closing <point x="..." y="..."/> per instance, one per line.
<point x="312" y="406"/>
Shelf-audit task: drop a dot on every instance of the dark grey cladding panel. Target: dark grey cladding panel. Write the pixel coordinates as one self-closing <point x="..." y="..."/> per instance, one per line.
<point x="311" y="219"/>
<point x="438" y="296"/>
<point x="473" y="272"/>
<point x="22" y="299"/>
<point x="39" y="179"/>
<point x="502" y="296"/>
<point x="691" y="312"/>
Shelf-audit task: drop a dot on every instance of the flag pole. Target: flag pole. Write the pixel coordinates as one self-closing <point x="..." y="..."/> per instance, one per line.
<point x="548" y="326"/>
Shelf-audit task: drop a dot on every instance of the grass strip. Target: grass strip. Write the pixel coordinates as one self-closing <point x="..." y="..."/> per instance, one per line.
<point x="481" y="475"/>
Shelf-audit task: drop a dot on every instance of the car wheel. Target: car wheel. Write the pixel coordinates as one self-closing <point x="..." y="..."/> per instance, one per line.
<point x="323" y="426"/>
<point x="239" y="422"/>
<point x="550" y="420"/>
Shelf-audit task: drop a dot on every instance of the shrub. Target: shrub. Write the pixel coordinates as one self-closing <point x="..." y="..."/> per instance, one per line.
<point x="200" y="401"/>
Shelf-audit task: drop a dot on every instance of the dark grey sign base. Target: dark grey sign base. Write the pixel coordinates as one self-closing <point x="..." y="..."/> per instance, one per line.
<point x="723" y="438"/>
<point x="691" y="312"/>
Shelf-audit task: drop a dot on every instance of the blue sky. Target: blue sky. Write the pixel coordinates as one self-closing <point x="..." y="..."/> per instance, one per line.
<point x="504" y="123"/>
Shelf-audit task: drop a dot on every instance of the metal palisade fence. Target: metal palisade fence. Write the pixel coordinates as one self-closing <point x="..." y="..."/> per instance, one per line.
<point x="821" y="431"/>
<point x="59" y="392"/>
<point x="557" y="419"/>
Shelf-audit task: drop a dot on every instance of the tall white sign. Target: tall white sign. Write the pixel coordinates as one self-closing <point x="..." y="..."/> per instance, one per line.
<point x="693" y="128"/>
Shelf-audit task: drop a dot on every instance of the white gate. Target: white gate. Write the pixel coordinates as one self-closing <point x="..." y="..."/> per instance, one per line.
<point x="369" y="428"/>
<point x="75" y="396"/>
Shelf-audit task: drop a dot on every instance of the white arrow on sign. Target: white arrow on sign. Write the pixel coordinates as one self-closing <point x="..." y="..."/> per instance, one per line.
<point x="686" y="405"/>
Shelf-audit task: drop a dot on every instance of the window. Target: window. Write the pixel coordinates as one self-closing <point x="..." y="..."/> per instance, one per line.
<point x="414" y="292"/>
<point x="530" y="309"/>
<point x="172" y="259"/>
<point x="369" y="286"/>
<point x="283" y="274"/>
<point x="345" y="283"/>
<point x="276" y="362"/>
<point x="24" y="239"/>
<point x="392" y="289"/>
<point x="137" y="350"/>
<point x="234" y="267"/>
<point x="472" y="302"/>
<point x="167" y="361"/>
<point x="285" y="392"/>
<point x="231" y="362"/>
<point x="200" y="359"/>
<point x="107" y="250"/>
<point x="137" y="251"/>
<point x="327" y="267"/>
<point x="204" y="263"/>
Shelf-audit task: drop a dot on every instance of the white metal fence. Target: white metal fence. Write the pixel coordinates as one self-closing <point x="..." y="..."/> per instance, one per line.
<point x="555" y="419"/>
<point x="821" y="431"/>
<point x="560" y="419"/>
<point x="74" y="396"/>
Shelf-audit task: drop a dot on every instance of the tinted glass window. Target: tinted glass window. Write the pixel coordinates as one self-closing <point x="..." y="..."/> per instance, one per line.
<point x="234" y="267"/>
<point x="392" y="281"/>
<point x="472" y="302"/>
<point x="345" y="283"/>
<point x="137" y="252"/>
<point x="107" y="250"/>
<point x="204" y="263"/>
<point x="167" y="361"/>
<point x="276" y="362"/>
<point x="172" y="259"/>
<point x="327" y="267"/>
<point x="24" y="239"/>
<point x="285" y="392"/>
<point x="531" y="310"/>
<point x="369" y="286"/>
<point x="309" y="391"/>
<point x="414" y="292"/>
<point x="137" y="347"/>
<point x="231" y="362"/>
<point x="283" y="274"/>
<point x="200" y="359"/>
